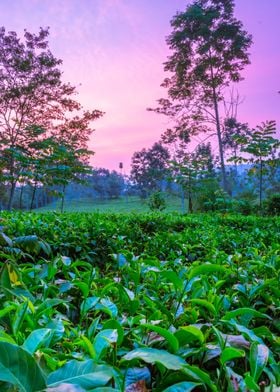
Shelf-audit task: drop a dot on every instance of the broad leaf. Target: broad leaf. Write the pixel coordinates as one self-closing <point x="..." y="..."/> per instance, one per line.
<point x="185" y="386"/>
<point x="169" y="337"/>
<point x="230" y="353"/>
<point x="152" y="355"/>
<point x="205" y="304"/>
<point x="19" y="368"/>
<point x="200" y="376"/>
<point x="188" y="334"/>
<point x="85" y="374"/>
<point x="38" y="338"/>
<point x="103" y="340"/>
<point x="259" y="354"/>
<point x="207" y="269"/>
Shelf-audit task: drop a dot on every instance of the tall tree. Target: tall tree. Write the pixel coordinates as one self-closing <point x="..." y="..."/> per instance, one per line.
<point x="148" y="167"/>
<point x="209" y="49"/>
<point x="31" y="93"/>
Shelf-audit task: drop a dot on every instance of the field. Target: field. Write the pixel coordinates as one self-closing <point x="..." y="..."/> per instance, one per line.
<point x="130" y="302"/>
<point x="123" y="204"/>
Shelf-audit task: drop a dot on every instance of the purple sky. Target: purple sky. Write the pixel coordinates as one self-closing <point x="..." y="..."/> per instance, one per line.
<point x="115" y="50"/>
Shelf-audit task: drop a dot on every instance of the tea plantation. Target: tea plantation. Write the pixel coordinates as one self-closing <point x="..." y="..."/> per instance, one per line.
<point x="127" y="302"/>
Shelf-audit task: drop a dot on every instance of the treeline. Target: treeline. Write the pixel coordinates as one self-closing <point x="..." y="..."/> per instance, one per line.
<point x="209" y="48"/>
<point x="44" y="131"/>
<point x="97" y="185"/>
<point x="197" y="179"/>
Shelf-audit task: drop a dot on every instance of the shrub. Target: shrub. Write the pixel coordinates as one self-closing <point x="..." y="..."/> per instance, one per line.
<point x="156" y="202"/>
<point x="244" y="207"/>
<point x="272" y="204"/>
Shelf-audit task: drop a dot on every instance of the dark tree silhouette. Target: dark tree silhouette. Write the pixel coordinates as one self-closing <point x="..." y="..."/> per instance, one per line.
<point x="209" y="49"/>
<point x="32" y="94"/>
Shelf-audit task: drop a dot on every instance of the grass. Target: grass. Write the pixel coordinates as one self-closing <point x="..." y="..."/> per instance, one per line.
<point x="124" y="204"/>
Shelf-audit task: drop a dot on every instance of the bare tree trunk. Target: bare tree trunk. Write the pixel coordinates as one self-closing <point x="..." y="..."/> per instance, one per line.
<point x="33" y="196"/>
<point x="11" y="196"/>
<point x="13" y="181"/>
<point x="261" y="185"/>
<point x="183" y="199"/>
<point x="190" y="196"/>
<point x="219" y="133"/>
<point x="62" y="198"/>
<point x="20" y="197"/>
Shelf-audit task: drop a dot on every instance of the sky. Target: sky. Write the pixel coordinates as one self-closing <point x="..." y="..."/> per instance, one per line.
<point x="114" y="50"/>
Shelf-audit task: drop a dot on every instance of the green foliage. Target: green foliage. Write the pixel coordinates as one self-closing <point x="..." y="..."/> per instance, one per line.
<point x="156" y="202"/>
<point x="262" y="146"/>
<point x="25" y="109"/>
<point x="18" y="367"/>
<point x="168" y="302"/>
<point x="272" y="205"/>
<point x="149" y="167"/>
<point x="209" y="49"/>
<point x="195" y="172"/>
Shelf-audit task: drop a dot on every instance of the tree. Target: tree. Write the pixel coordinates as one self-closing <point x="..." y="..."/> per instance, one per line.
<point x="194" y="172"/>
<point x="33" y="94"/>
<point x="65" y="164"/>
<point x="148" y="167"/>
<point x="231" y="129"/>
<point x="209" y="50"/>
<point x="106" y="183"/>
<point x="260" y="148"/>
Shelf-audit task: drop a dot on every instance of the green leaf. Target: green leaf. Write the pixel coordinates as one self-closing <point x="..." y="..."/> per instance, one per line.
<point x="247" y="312"/>
<point x="235" y="381"/>
<point x="5" y="277"/>
<point x="19" y="368"/>
<point x="108" y="307"/>
<point x="103" y="340"/>
<point x="207" y="269"/>
<point x="86" y="374"/>
<point x="28" y="243"/>
<point x="152" y="355"/>
<point x="47" y="304"/>
<point x="89" y="304"/>
<point x="88" y="346"/>
<point x="230" y="353"/>
<point x="84" y="287"/>
<point x="4" y="337"/>
<point x="189" y="334"/>
<point x="246" y="331"/>
<point x="7" y="310"/>
<point x="251" y="384"/>
<point x="204" y="303"/>
<point x="200" y="376"/>
<point x="173" y="278"/>
<point x="5" y="240"/>
<point x="38" y="338"/>
<point x="19" y="317"/>
<point x="259" y="354"/>
<point x="185" y="386"/>
<point x="169" y="337"/>
<point x="114" y="324"/>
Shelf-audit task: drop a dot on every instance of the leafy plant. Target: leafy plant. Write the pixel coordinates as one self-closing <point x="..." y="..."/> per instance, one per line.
<point x="165" y="302"/>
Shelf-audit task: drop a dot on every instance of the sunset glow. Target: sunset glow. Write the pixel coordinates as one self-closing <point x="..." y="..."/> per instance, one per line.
<point x="115" y="49"/>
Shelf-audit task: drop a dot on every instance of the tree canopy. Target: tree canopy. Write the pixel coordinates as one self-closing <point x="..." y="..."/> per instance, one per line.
<point x="35" y="103"/>
<point x="209" y="49"/>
